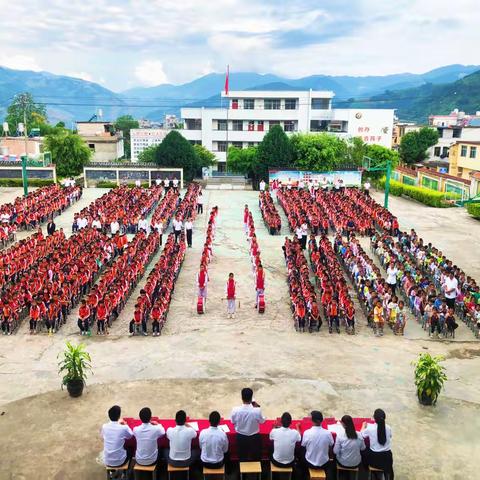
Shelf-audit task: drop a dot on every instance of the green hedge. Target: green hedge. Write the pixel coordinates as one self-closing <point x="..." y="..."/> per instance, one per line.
<point x="17" y="182"/>
<point x="474" y="209"/>
<point x="423" y="195"/>
<point x="106" y="184"/>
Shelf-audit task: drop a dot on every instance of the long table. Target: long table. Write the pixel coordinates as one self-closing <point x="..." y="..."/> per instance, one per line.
<point x="265" y="429"/>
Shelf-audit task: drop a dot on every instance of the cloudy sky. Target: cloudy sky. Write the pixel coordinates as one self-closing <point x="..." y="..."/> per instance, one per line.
<point x="122" y="44"/>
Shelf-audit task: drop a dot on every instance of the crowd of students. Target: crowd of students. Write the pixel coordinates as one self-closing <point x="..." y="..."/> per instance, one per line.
<point x="119" y="210"/>
<point x="53" y="285"/>
<point x="304" y="305"/>
<point x="207" y="252"/>
<point x="308" y="445"/>
<point x="35" y="208"/>
<point x="337" y="305"/>
<point x="430" y="284"/>
<point x="104" y="302"/>
<point x="269" y="212"/>
<point x="164" y="212"/>
<point x="378" y="302"/>
<point x="257" y="267"/>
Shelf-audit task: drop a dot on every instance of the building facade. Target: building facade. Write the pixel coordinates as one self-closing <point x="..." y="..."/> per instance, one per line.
<point x="449" y="136"/>
<point x="400" y="129"/>
<point x="13" y="148"/>
<point x="105" y="143"/>
<point x="142" y="138"/>
<point x="464" y="159"/>
<point x="248" y="115"/>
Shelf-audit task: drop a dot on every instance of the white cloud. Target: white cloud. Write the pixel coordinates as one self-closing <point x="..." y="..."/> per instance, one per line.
<point x="150" y="73"/>
<point x="83" y="75"/>
<point x="19" y="62"/>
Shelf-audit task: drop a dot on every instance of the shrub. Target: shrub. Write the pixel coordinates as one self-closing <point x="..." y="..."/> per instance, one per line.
<point x="429" y="378"/>
<point x="474" y="209"/>
<point x="106" y="184"/>
<point x="429" y="197"/>
<point x="17" y="182"/>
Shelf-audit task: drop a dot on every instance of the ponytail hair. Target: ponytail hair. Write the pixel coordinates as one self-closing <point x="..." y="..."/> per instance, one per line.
<point x="349" y="427"/>
<point x="379" y="417"/>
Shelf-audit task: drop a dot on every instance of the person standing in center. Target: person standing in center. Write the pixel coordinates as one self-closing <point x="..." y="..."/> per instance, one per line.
<point x="189" y="231"/>
<point x="177" y="227"/>
<point x="230" y="290"/>
<point x="246" y="420"/>
<point x="259" y="283"/>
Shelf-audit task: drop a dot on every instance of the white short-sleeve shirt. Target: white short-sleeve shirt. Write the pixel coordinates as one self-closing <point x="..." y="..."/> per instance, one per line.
<point x="284" y="441"/>
<point x="181" y="438"/>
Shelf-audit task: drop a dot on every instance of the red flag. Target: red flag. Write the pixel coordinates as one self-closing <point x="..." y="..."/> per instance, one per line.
<point x="226" y="81"/>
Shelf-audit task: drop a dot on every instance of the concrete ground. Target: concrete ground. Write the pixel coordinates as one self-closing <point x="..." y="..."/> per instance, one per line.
<point x="201" y="362"/>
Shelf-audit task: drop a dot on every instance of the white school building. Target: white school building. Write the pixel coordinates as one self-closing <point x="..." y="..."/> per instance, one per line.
<point x="248" y="115"/>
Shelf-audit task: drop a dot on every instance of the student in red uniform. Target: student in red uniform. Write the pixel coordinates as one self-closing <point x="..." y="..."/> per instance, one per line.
<point x="138" y="321"/>
<point x="332" y="315"/>
<point x="259" y="283"/>
<point x="230" y="290"/>
<point x="300" y="313"/>
<point x="84" y="318"/>
<point x="156" y="316"/>
<point x="350" y="316"/>
<point x="202" y="282"/>
<point x="34" y="316"/>
<point x="101" y="318"/>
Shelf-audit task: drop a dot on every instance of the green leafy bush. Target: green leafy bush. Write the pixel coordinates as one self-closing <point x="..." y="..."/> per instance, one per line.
<point x="423" y="195"/>
<point x="106" y="184"/>
<point x="429" y="378"/>
<point x="474" y="209"/>
<point x="17" y="182"/>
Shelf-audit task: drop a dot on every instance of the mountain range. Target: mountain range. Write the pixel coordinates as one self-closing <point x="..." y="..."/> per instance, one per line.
<point x="413" y="95"/>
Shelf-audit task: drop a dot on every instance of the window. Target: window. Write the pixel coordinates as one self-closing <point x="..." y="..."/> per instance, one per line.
<point x="318" y="125"/>
<point x="222" y="125"/>
<point x="91" y="146"/>
<point x="195" y="142"/>
<point x="473" y="152"/>
<point x="289" y="126"/>
<point x="429" y="183"/>
<point x="260" y="125"/>
<point x="463" y="152"/>
<point x="272" y="104"/>
<point x="457" y="133"/>
<point x="440" y="132"/>
<point x="320" y="103"/>
<point x="237" y="144"/>
<point x="436" y="151"/>
<point x="290" y="104"/>
<point x="235" y="103"/>
<point x="237" y="125"/>
<point x="248" y="103"/>
<point x="271" y="123"/>
<point x="193" y="124"/>
<point x="221" y="146"/>
<point x="221" y="166"/>
<point x="444" y="152"/>
<point x="251" y="126"/>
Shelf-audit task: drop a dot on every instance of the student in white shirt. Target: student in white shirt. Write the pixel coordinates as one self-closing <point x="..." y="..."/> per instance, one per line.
<point x="262" y="185"/>
<point x="317" y="442"/>
<point x="166" y="183"/>
<point x="114" y="435"/>
<point x="158" y="182"/>
<point x="96" y="224"/>
<point x="175" y="184"/>
<point x="147" y="435"/>
<point x="450" y="287"/>
<point x="348" y="445"/>
<point x="392" y="276"/>
<point x="114" y="227"/>
<point x="177" y="227"/>
<point x="180" y="453"/>
<point x="158" y="226"/>
<point x="213" y="443"/>
<point x="143" y="225"/>
<point x="200" y="202"/>
<point x="189" y="231"/>
<point x="246" y="420"/>
<point x="379" y="454"/>
<point x="284" y="441"/>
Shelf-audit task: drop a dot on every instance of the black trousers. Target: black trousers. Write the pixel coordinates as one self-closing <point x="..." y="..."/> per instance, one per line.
<point x="177" y="234"/>
<point x="199" y="208"/>
<point x="249" y="447"/>
<point x="189" y="237"/>
<point x="450" y="302"/>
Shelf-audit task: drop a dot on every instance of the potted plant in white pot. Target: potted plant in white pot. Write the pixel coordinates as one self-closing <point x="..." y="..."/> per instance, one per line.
<point x="429" y="378"/>
<point x="74" y="365"/>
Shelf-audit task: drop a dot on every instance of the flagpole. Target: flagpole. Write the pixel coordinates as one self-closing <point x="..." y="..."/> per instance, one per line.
<point x="228" y="108"/>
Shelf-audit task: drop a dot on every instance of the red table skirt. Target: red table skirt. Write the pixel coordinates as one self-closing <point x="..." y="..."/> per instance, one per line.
<point x="265" y="429"/>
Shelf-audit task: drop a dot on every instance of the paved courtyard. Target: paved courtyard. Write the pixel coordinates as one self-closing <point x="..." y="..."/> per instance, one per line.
<point x="201" y="362"/>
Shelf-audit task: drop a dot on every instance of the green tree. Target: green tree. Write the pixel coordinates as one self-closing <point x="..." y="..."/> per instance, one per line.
<point x="356" y="150"/>
<point x="148" y="155"/>
<point x="380" y="157"/>
<point x="125" y="123"/>
<point x="177" y="152"/>
<point x="275" y="150"/>
<point x="69" y="152"/>
<point x="242" y="160"/>
<point x="319" y="151"/>
<point x="205" y="158"/>
<point x="414" y="145"/>
<point x="36" y="114"/>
